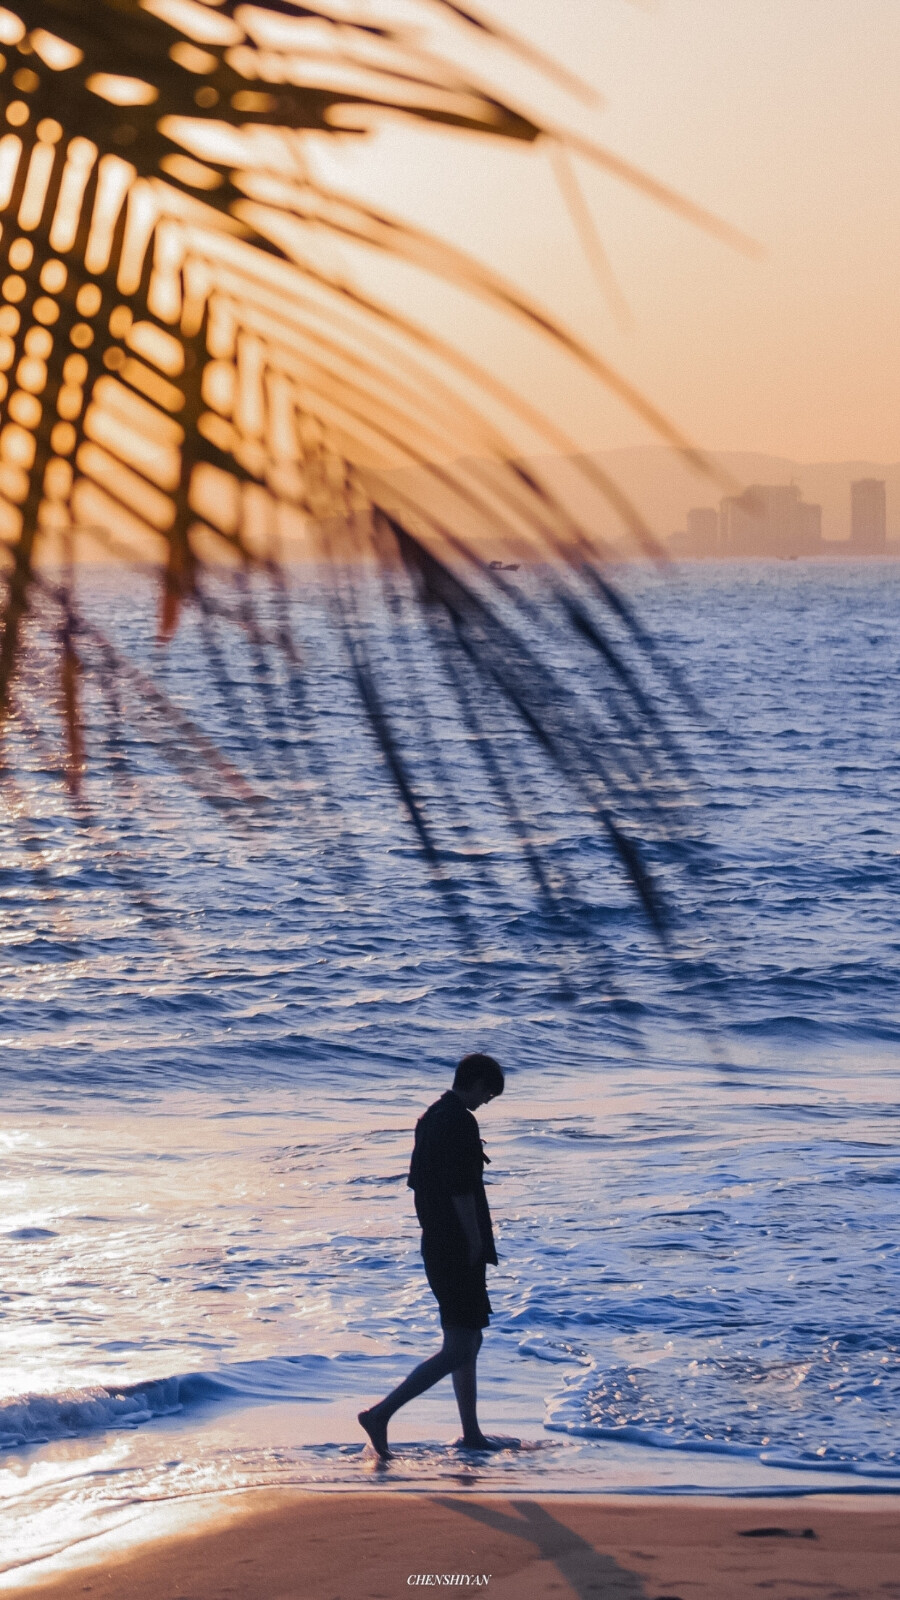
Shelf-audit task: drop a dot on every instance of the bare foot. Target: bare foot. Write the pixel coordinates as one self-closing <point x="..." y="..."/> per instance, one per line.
<point x="484" y="1441"/>
<point x="372" y="1424"/>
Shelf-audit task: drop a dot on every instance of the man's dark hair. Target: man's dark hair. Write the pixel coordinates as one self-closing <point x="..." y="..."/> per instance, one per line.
<point x="473" y="1067"/>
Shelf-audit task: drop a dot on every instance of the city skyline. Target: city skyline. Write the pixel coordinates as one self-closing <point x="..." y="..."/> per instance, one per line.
<point x="773" y="521"/>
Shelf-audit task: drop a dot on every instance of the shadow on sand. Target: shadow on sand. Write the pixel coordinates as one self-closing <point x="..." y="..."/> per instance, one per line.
<point x="589" y="1573"/>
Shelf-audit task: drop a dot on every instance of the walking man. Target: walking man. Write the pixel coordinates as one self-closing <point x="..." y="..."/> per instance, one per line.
<point x="446" y="1177"/>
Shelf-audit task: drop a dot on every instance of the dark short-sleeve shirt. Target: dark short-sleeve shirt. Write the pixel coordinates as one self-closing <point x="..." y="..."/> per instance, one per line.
<point x="448" y="1160"/>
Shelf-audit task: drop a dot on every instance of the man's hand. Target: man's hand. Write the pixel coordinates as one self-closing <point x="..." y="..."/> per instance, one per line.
<point x="464" y="1206"/>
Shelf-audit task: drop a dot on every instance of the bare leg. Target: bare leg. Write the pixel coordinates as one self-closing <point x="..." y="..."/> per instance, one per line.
<point x="459" y="1349"/>
<point x="465" y="1387"/>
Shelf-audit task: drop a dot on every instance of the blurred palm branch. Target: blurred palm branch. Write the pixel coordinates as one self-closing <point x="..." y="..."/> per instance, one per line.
<point x="191" y="387"/>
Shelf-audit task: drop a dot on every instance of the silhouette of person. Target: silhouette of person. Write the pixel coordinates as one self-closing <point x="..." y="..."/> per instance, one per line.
<point x="446" y="1177"/>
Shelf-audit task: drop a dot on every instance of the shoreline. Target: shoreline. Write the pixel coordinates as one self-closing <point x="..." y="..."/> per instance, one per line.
<point x="351" y="1545"/>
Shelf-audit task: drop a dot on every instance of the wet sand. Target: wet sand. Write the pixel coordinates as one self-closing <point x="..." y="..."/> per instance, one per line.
<point x="288" y="1545"/>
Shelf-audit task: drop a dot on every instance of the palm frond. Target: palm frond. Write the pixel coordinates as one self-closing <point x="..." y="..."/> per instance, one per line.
<point x="193" y="391"/>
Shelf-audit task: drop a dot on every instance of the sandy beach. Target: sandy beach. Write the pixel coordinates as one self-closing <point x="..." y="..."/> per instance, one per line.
<point x="298" y="1546"/>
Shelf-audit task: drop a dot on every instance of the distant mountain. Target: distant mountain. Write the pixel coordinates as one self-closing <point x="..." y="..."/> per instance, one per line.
<point x="664" y="489"/>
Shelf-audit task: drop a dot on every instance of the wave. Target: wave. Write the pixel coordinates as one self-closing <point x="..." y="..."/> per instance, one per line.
<point x="35" y="1419"/>
<point x="38" y="1418"/>
<point x="653" y="1438"/>
<point x="31" y="1419"/>
<point x="568" y="1412"/>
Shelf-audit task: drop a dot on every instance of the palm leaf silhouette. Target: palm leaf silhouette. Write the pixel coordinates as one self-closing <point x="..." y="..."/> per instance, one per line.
<point x="189" y="385"/>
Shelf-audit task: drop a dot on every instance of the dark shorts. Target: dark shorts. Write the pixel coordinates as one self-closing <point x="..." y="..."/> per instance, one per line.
<point x="460" y="1290"/>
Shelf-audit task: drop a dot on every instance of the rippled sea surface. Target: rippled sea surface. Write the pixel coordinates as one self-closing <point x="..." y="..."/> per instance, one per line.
<point x="209" y="1250"/>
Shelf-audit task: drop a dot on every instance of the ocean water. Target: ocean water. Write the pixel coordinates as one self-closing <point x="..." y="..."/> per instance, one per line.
<point x="217" y="1039"/>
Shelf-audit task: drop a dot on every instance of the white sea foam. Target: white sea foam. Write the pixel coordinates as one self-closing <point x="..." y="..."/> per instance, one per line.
<point x="556" y="1351"/>
<point x="37" y="1418"/>
<point x="73" y="1412"/>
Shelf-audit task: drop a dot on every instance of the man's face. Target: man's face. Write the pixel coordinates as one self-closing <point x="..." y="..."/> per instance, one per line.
<point x="480" y="1094"/>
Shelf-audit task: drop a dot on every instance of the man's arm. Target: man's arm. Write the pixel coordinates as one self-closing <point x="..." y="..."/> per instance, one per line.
<point x="464" y="1206"/>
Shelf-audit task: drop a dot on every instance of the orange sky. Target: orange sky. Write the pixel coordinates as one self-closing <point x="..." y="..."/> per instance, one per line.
<point x="780" y="115"/>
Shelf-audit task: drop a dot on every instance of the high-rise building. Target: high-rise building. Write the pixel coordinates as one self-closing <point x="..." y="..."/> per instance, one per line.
<point x="703" y="531"/>
<point x="770" y="520"/>
<point x="868" y="517"/>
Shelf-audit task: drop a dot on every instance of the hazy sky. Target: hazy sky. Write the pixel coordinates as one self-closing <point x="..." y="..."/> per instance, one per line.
<point x="783" y="117"/>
